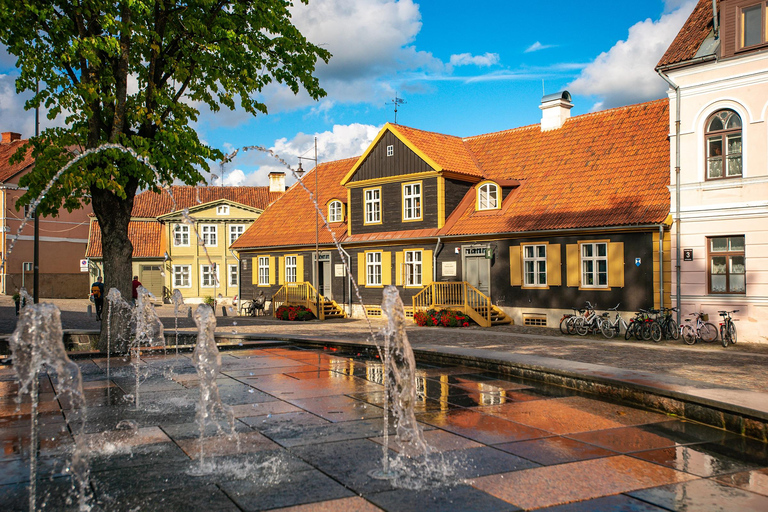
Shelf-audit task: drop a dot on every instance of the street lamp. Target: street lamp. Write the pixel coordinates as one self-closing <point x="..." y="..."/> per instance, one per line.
<point x="300" y="171"/>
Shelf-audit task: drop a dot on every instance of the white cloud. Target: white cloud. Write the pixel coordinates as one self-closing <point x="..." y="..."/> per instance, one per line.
<point x="7" y="60"/>
<point x="538" y="46"/>
<point x="467" y="59"/>
<point x="625" y="73"/>
<point x="13" y="117"/>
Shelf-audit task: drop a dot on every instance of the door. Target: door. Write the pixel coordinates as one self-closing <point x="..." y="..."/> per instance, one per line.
<point x="324" y="275"/>
<point x="152" y="279"/>
<point x="477" y="269"/>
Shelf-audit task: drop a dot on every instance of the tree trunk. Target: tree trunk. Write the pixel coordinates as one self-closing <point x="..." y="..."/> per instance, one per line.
<point x="114" y="214"/>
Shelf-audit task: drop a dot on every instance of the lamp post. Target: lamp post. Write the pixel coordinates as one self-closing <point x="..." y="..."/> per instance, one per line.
<point x="316" y="273"/>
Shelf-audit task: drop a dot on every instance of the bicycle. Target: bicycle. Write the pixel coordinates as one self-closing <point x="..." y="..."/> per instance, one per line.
<point x="613" y="328"/>
<point x="590" y="322"/>
<point x="669" y="325"/>
<point x="727" y="328"/>
<point x="703" y="331"/>
<point x="638" y="326"/>
<point x="567" y="321"/>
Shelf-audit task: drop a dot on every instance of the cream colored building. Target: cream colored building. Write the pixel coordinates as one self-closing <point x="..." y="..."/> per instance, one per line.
<point x="718" y="71"/>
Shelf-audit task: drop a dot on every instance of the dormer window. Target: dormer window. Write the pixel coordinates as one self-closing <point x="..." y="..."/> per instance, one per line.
<point x="488" y="196"/>
<point x="724" y="145"/>
<point x="752" y="25"/>
<point x="335" y="211"/>
<point x="222" y="210"/>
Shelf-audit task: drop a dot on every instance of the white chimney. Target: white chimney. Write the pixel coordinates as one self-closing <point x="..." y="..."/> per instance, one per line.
<point x="555" y="109"/>
<point x="277" y="182"/>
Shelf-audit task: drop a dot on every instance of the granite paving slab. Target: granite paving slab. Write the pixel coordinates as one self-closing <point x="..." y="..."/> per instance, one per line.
<point x="555" y="450"/>
<point x="460" y="497"/>
<point x="704" y="494"/>
<point x="617" y="503"/>
<point x="754" y="481"/>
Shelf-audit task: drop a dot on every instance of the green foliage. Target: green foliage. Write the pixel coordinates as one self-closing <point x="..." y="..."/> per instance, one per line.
<point x="209" y="301"/>
<point x="137" y="72"/>
<point x="443" y="317"/>
<point x="294" y="313"/>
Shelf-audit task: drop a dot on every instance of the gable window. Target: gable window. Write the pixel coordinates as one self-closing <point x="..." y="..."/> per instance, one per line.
<point x="752" y="25"/>
<point x="412" y="201"/>
<point x="535" y="265"/>
<point x="222" y="209"/>
<point x="181" y="235"/>
<point x="208" y="232"/>
<point x="373" y="268"/>
<point x="594" y="265"/>
<point x="181" y="276"/>
<point x="208" y="276"/>
<point x="233" y="275"/>
<point x="727" y="268"/>
<point x="290" y="269"/>
<point x="488" y="196"/>
<point x="390" y="150"/>
<point x="413" y="268"/>
<point x="235" y="230"/>
<point x="263" y="270"/>
<point x="335" y="211"/>
<point x="372" y="205"/>
<point x="724" y="145"/>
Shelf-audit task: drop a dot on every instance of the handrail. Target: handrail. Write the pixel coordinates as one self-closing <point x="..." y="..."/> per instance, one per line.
<point x="301" y="294"/>
<point x="455" y="295"/>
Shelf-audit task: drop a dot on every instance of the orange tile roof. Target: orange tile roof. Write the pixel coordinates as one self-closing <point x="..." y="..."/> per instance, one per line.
<point x="291" y="220"/>
<point x="149" y="204"/>
<point x="691" y="36"/>
<point x="7" y="150"/>
<point x="448" y="151"/>
<point x="146" y="237"/>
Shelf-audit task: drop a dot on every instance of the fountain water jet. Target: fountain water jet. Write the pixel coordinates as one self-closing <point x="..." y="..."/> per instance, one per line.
<point x="148" y="331"/>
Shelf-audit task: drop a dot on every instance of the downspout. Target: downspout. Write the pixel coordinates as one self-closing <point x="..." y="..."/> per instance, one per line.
<point x="239" y="281"/>
<point x="434" y="260"/>
<point x="676" y="88"/>
<point x="661" y="266"/>
<point x="349" y="277"/>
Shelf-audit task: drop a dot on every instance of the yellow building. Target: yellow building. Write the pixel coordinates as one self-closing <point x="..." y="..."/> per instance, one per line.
<point x="181" y="240"/>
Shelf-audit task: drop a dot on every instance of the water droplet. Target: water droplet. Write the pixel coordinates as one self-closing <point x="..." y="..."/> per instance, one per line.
<point x="269" y="415"/>
<point x="240" y="344"/>
<point x="250" y="390"/>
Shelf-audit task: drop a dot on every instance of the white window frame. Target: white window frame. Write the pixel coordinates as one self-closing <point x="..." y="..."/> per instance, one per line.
<point x="233" y="271"/>
<point x="390" y="150"/>
<point x="180" y="233"/>
<point x="594" y="259"/>
<point x="373" y="268"/>
<point x="178" y="272"/>
<point x="290" y="269"/>
<point x="263" y="270"/>
<point x="335" y="211"/>
<point x="534" y="260"/>
<point x="232" y="231"/>
<point x="484" y="196"/>
<point x="206" y="274"/>
<point x="412" y="201"/>
<point x="222" y="209"/>
<point x="372" y="200"/>
<point x="413" y="261"/>
<point x="210" y="234"/>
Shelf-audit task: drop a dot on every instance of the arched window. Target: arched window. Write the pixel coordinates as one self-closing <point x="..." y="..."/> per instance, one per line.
<point x="335" y="211"/>
<point x="723" y="145"/>
<point x="488" y="196"/>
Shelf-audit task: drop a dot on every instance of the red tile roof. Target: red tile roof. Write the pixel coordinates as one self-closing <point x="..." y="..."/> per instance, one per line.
<point x="147" y="238"/>
<point x="291" y="219"/>
<point x="149" y="204"/>
<point x="7" y="150"/>
<point x="448" y="151"/>
<point x="690" y="37"/>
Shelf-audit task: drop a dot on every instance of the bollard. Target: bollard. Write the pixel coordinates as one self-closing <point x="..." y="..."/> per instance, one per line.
<point x="189" y="312"/>
<point x="223" y="310"/>
<point x="90" y="310"/>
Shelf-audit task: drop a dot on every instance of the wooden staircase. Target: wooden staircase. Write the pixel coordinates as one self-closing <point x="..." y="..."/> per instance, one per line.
<point x="331" y="309"/>
<point x="304" y="294"/>
<point x="460" y="296"/>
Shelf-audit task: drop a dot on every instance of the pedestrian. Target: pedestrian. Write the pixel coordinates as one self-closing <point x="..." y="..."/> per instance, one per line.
<point x="97" y="292"/>
<point x="135" y="288"/>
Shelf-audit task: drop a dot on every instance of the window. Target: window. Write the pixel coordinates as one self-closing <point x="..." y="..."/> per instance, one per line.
<point x="372" y="206"/>
<point x="752" y="25"/>
<point x="263" y="270"/>
<point x="727" y="269"/>
<point x="233" y="273"/>
<point x="412" y="201"/>
<point x="290" y="269"/>
<point x="390" y="150"/>
<point x="181" y="276"/>
<point x="235" y="230"/>
<point x="222" y="209"/>
<point x="413" y="268"/>
<point x="488" y="196"/>
<point x="535" y="265"/>
<point x="208" y="276"/>
<point x="594" y="265"/>
<point x="335" y="211"/>
<point x="373" y="268"/>
<point x="181" y="235"/>
<point x="723" y="145"/>
<point x="208" y="232"/>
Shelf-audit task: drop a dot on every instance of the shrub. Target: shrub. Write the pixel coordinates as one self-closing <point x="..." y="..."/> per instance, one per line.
<point x="443" y="317"/>
<point x="210" y="301"/>
<point x="294" y="313"/>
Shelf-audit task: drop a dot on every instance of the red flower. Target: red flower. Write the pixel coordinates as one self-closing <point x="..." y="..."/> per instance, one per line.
<point x="466" y="324"/>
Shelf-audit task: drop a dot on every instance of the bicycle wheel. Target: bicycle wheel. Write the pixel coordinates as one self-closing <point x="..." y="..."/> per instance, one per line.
<point x="645" y="332"/>
<point x="732" y="332"/>
<point x="655" y="331"/>
<point x="630" y="330"/>
<point x="607" y="328"/>
<point x="724" y="336"/>
<point x="582" y="327"/>
<point x="564" y="324"/>
<point x="673" y="331"/>
<point x="572" y="324"/>
<point x="688" y="334"/>
<point x="708" y="332"/>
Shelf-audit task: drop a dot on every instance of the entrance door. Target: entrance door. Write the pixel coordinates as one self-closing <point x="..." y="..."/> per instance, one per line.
<point x="324" y="275"/>
<point x="152" y="279"/>
<point x="477" y="269"/>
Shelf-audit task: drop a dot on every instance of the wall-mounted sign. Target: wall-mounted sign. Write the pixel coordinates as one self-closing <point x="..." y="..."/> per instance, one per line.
<point x="449" y="269"/>
<point x="474" y="251"/>
<point x="687" y="254"/>
<point x="83" y="265"/>
<point x="638" y="261"/>
<point x="338" y="270"/>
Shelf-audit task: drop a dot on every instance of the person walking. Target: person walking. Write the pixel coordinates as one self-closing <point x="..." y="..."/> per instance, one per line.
<point x="135" y="288"/>
<point x="97" y="292"/>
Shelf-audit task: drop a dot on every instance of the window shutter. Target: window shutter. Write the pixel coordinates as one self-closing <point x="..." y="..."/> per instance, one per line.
<point x="573" y="268"/>
<point x="300" y="269"/>
<point x="616" y="264"/>
<point x="254" y="270"/>
<point x="386" y="268"/>
<point x="271" y="270"/>
<point x="399" y="257"/>
<point x="361" y="281"/>
<point x="281" y="261"/>
<point x="426" y="268"/>
<point x="515" y="271"/>
<point x="554" y="272"/>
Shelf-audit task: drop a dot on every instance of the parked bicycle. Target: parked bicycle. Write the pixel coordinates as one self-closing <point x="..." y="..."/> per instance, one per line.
<point x="638" y="326"/>
<point x="613" y="328"/>
<point x="700" y="330"/>
<point x="567" y="323"/>
<point x="727" y="328"/>
<point x="590" y="322"/>
<point x="669" y="326"/>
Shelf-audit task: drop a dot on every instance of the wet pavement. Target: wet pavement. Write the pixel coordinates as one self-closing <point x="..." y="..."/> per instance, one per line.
<point x="310" y="431"/>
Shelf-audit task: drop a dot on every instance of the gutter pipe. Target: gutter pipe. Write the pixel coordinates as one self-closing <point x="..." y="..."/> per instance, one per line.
<point x="434" y="259"/>
<point x="349" y="277"/>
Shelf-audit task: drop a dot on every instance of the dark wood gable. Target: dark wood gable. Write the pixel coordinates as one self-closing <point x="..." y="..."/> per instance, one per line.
<point x="378" y="165"/>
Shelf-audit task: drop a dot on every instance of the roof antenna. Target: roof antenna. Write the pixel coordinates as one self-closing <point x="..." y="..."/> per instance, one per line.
<point x="396" y="102"/>
<point x="543" y="92"/>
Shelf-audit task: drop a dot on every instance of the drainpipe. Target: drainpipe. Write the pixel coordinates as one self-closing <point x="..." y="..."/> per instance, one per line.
<point x="239" y="281"/>
<point x="676" y="88"/>
<point x="434" y="260"/>
<point x="349" y="278"/>
<point x="661" y="266"/>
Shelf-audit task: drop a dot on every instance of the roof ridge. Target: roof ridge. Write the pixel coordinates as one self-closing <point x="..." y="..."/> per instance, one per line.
<point x="427" y="131"/>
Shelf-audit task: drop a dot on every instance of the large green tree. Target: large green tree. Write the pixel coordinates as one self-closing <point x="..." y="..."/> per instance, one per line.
<point x="136" y="73"/>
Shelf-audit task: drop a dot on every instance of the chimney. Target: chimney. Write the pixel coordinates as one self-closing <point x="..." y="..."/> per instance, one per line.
<point x="277" y="182"/>
<point x="9" y="137"/>
<point x="555" y="109"/>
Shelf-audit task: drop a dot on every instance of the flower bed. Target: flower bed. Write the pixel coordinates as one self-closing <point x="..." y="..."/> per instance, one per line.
<point x="298" y="313"/>
<point x="443" y="317"/>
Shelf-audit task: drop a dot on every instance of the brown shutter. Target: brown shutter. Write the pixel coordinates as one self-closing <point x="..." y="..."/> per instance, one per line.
<point x="573" y="268"/>
<point x="554" y="270"/>
<point x="515" y="267"/>
<point x="616" y="264"/>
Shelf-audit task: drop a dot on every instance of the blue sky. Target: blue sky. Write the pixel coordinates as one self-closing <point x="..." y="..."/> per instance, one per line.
<point x="463" y="68"/>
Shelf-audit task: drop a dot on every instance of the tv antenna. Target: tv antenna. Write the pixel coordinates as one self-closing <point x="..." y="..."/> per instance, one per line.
<point x="396" y="102"/>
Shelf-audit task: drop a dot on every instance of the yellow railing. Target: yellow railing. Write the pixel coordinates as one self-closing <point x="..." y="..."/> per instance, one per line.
<point x="460" y="296"/>
<point x="299" y="294"/>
